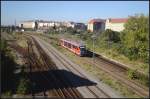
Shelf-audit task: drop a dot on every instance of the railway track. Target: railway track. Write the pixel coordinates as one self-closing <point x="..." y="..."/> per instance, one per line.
<point x="119" y="65"/>
<point x="119" y="73"/>
<point x="95" y="90"/>
<point x="27" y="59"/>
<point x="69" y="69"/>
<point x="51" y="79"/>
<point x="56" y="78"/>
<point x="65" y="63"/>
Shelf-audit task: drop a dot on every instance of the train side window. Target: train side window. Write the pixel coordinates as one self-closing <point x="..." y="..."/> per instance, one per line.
<point x="65" y="43"/>
<point x="69" y="45"/>
<point x="77" y="48"/>
<point x="73" y="46"/>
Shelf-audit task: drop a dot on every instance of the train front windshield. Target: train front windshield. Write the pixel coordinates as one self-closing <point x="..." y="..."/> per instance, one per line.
<point x="82" y="49"/>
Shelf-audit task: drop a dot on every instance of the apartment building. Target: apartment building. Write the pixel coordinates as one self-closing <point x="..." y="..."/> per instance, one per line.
<point x="27" y="24"/>
<point x="80" y="26"/>
<point x="45" y="24"/>
<point x="116" y="24"/>
<point x="39" y="24"/>
<point x="69" y="24"/>
<point x="96" y="25"/>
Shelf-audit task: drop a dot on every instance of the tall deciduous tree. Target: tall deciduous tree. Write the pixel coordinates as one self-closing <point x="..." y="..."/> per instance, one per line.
<point x="136" y="37"/>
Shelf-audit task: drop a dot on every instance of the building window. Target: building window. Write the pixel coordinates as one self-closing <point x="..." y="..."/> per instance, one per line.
<point x="65" y="43"/>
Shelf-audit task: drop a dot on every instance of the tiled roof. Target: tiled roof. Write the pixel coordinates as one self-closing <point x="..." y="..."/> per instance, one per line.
<point x="118" y="20"/>
<point x="96" y="20"/>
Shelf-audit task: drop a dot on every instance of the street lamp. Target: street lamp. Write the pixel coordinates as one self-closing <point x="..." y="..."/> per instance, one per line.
<point x="94" y="38"/>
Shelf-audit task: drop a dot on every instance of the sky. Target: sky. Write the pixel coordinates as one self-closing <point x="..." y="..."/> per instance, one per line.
<point x="77" y="11"/>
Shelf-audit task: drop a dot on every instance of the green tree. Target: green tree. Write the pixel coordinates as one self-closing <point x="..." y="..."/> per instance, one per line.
<point x="112" y="36"/>
<point x="135" y="37"/>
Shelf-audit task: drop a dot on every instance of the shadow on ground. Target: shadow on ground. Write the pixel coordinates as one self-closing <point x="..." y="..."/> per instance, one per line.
<point x="90" y="54"/>
<point x="55" y="79"/>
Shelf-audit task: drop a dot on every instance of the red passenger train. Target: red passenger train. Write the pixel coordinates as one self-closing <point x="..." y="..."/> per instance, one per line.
<point x="75" y="47"/>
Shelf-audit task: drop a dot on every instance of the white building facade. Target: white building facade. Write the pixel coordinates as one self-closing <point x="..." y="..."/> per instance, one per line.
<point x="115" y="24"/>
<point x="27" y="24"/>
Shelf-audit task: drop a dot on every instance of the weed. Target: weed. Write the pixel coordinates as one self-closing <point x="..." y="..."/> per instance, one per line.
<point x="23" y="87"/>
<point x="132" y="74"/>
<point x="102" y="76"/>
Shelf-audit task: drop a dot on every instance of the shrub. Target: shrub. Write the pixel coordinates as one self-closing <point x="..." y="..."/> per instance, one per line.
<point x="3" y="45"/>
<point x="132" y="74"/>
<point x="8" y="93"/>
<point x="111" y="36"/>
<point x="23" y="87"/>
<point x="135" y="38"/>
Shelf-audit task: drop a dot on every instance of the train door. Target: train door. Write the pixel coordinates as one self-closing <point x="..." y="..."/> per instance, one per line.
<point x="77" y="50"/>
<point x="69" y="45"/>
<point x="82" y="50"/>
<point x="74" y="48"/>
<point x="65" y="44"/>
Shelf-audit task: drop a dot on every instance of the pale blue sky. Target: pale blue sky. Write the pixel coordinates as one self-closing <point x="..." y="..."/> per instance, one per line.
<point x="78" y="11"/>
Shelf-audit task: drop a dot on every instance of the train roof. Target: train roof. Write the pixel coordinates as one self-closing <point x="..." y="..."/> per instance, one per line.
<point x="76" y="43"/>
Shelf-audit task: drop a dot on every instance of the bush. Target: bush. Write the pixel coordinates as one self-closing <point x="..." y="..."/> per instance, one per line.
<point x="7" y="69"/>
<point x="7" y="93"/>
<point x="135" y="38"/>
<point x="23" y="87"/>
<point x="132" y="74"/>
<point x="111" y="36"/>
<point x="3" y="45"/>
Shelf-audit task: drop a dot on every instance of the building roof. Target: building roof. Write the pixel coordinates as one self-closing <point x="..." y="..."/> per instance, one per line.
<point x="28" y="21"/>
<point x="96" y="20"/>
<point x="118" y="20"/>
<point x="79" y="23"/>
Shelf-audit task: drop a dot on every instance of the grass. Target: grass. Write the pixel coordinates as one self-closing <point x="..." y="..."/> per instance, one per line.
<point x="21" y="40"/>
<point x="6" y="94"/>
<point x="20" y="82"/>
<point x="23" y="82"/>
<point x="136" y="65"/>
<point x="104" y="77"/>
<point x="23" y="87"/>
<point x="112" y="53"/>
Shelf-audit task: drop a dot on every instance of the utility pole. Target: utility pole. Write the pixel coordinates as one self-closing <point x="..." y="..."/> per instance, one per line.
<point x="93" y="38"/>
